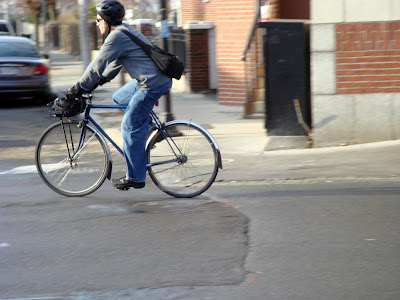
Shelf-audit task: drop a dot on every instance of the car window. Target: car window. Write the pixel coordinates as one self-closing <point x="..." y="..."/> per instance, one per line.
<point x="3" y="28"/>
<point x="17" y="50"/>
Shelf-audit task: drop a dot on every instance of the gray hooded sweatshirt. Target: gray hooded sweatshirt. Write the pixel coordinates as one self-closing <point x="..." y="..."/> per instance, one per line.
<point x="120" y="51"/>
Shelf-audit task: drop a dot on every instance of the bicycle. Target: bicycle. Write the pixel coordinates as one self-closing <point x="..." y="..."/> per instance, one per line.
<point x="74" y="159"/>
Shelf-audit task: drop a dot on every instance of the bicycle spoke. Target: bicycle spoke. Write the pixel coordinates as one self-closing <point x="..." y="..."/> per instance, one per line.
<point x="65" y="176"/>
<point x="168" y="169"/>
<point x="83" y="146"/>
<point x="185" y="145"/>
<point x="196" y="169"/>
<point x="78" y="176"/>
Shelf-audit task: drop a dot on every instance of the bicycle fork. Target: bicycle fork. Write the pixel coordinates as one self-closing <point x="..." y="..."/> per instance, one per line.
<point x="66" y="141"/>
<point x="70" y="144"/>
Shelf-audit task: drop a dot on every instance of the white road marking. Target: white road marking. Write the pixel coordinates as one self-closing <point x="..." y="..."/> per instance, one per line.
<point x="39" y="298"/>
<point x="20" y="170"/>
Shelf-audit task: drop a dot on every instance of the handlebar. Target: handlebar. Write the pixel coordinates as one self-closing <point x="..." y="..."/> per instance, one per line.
<point x="87" y="96"/>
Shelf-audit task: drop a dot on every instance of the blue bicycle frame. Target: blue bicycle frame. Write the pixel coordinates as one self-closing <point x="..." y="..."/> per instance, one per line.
<point x="89" y="118"/>
<point x="156" y="121"/>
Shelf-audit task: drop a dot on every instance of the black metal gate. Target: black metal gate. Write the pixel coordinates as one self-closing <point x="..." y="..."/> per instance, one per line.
<point x="177" y="44"/>
<point x="286" y="58"/>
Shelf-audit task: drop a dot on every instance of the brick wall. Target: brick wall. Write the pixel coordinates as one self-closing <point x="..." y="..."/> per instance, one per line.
<point x="146" y="29"/>
<point x="254" y="68"/>
<point x="368" y="57"/>
<point x="197" y="46"/>
<point x="233" y="25"/>
<point x="196" y="10"/>
<point x="276" y="8"/>
<point x="232" y="20"/>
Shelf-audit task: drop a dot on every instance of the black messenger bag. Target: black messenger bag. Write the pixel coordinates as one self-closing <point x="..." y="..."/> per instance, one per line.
<point x="165" y="61"/>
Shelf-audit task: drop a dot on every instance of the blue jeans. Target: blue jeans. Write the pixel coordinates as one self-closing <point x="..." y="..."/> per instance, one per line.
<point x="135" y="125"/>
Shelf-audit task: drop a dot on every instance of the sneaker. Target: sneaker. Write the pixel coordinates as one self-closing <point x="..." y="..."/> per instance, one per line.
<point x="123" y="184"/>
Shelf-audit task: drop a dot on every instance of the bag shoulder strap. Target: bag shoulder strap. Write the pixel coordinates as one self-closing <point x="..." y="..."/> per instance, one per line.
<point x="136" y="40"/>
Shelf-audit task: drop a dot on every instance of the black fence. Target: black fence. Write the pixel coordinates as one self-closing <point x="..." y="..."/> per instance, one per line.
<point x="177" y="44"/>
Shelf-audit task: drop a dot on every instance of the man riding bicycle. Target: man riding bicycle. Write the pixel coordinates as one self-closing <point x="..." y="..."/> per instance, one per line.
<point x="148" y="84"/>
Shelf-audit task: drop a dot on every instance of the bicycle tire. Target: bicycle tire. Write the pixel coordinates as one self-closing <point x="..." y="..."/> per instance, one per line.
<point x="197" y="167"/>
<point x="80" y="176"/>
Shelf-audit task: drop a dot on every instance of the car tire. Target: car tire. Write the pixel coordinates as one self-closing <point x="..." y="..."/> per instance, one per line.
<point x="45" y="97"/>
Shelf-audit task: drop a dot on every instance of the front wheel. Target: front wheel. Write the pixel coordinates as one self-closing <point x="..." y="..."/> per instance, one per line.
<point x="185" y="164"/>
<point x="72" y="161"/>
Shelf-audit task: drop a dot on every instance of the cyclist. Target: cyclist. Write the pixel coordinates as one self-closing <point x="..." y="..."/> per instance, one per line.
<point x="140" y="95"/>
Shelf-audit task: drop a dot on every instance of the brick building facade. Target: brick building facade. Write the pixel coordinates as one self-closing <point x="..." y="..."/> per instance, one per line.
<point x="354" y="62"/>
<point x="355" y="77"/>
<point x="367" y="57"/>
<point x="231" y="20"/>
<point x="239" y="82"/>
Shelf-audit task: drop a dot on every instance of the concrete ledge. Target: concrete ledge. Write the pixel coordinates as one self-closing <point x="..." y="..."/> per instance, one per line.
<point x="355" y="118"/>
<point x="231" y="109"/>
<point x="285" y="142"/>
<point x="198" y="25"/>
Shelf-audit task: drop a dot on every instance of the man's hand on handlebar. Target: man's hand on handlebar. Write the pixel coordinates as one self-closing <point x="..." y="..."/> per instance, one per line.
<point x="75" y="92"/>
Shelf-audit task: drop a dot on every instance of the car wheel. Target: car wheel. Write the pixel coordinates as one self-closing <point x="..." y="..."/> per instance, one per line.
<point x="45" y="97"/>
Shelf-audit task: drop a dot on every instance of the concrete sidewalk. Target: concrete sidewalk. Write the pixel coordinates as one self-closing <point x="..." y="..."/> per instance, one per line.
<point x="243" y="142"/>
<point x="243" y="146"/>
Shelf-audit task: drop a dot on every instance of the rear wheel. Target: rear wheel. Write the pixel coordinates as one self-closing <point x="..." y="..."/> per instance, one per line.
<point x="185" y="164"/>
<point x="68" y="167"/>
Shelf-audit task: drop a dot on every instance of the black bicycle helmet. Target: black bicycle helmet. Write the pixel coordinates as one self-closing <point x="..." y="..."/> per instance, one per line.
<point x="111" y="11"/>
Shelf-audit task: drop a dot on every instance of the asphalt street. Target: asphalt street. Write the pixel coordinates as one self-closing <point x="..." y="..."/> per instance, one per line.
<point x="288" y="224"/>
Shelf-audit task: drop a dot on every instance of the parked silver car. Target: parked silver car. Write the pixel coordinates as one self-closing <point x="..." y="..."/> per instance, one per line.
<point x="23" y="72"/>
